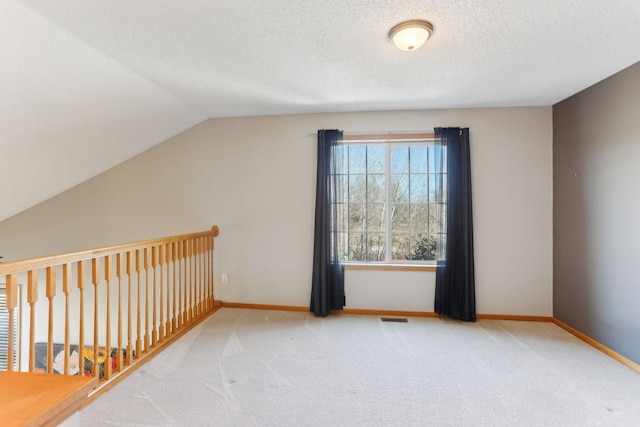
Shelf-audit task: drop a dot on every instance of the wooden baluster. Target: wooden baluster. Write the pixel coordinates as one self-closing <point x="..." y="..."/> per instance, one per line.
<point x="181" y="285"/>
<point x="203" y="274"/>
<point x="161" y="330"/>
<point x="191" y="282"/>
<point x="185" y="253"/>
<point x="198" y="284"/>
<point x="11" y="291"/>
<point x="185" y="282"/>
<point x="154" y="264"/>
<point x="169" y="292"/>
<point x="119" y="276"/>
<point x="82" y="273"/>
<point x="201" y="266"/>
<point x="209" y="272"/>
<point x="205" y="287"/>
<point x="139" y="318"/>
<point x="200" y="273"/>
<point x="32" y="298"/>
<point x="51" y="293"/>
<point x="146" y="301"/>
<point x="198" y="276"/>
<point x="107" y="344"/>
<point x="129" y="357"/>
<point x="66" y="287"/>
<point x="195" y="278"/>
<point x="174" y="252"/>
<point x="196" y="300"/>
<point x="95" y="279"/>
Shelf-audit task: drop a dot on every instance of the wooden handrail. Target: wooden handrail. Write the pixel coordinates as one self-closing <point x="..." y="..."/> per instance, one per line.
<point x="11" y="267"/>
<point x="162" y="285"/>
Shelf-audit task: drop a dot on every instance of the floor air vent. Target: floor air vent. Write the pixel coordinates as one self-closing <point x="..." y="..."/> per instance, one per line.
<point x="394" y="319"/>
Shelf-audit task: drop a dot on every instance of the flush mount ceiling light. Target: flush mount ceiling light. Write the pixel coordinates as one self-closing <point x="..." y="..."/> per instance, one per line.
<point x="410" y="35"/>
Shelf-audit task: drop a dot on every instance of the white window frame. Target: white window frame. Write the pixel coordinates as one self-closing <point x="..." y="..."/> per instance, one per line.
<point x="389" y="141"/>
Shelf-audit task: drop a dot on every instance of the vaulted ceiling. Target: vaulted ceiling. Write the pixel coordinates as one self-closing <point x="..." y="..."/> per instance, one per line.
<point x="86" y="85"/>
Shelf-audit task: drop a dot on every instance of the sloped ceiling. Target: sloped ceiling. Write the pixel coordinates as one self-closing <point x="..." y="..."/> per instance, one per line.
<point x="86" y="85"/>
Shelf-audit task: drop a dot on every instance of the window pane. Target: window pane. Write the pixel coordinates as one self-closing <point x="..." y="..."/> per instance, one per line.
<point x="375" y="217"/>
<point x="356" y="217"/>
<point x="400" y="160"/>
<point x="443" y="161"/>
<point x="342" y="211"/>
<point x="375" y="189"/>
<point x="342" y="182"/>
<point x="400" y="247"/>
<point x="433" y="163"/>
<point x="437" y="159"/>
<point x="444" y="188"/>
<point x="418" y="159"/>
<point x="343" y="239"/>
<point x="419" y="188"/>
<point x="419" y="218"/>
<point x="400" y="218"/>
<point x="423" y="247"/>
<point x="441" y="247"/>
<point x="357" y="188"/>
<point x="399" y="188"/>
<point x="436" y="187"/>
<point x="341" y="159"/>
<point x="357" y="158"/>
<point x="437" y="219"/>
<point x="376" y="158"/>
<point x="357" y="247"/>
<point x="376" y="247"/>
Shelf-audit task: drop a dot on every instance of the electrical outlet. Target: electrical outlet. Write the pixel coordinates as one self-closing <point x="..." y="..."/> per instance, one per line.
<point x="225" y="278"/>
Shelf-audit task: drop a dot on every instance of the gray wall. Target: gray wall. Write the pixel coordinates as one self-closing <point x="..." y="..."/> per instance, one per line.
<point x="596" y="239"/>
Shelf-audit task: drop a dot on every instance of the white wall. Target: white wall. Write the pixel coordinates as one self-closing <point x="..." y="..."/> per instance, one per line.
<point x="255" y="178"/>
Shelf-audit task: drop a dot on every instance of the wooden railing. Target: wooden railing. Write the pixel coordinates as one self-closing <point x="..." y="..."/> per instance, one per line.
<point x="107" y="309"/>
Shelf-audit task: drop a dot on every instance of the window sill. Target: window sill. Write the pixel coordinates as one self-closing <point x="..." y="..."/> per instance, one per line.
<point x="390" y="267"/>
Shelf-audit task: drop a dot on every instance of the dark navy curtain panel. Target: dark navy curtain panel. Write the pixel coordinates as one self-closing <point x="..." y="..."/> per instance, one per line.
<point x="455" y="277"/>
<point x="327" y="285"/>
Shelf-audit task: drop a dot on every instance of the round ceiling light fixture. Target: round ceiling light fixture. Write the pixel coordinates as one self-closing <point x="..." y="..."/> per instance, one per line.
<point x="410" y="35"/>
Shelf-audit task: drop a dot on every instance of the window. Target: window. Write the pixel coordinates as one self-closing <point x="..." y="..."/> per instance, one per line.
<point x="4" y="333"/>
<point x="391" y="200"/>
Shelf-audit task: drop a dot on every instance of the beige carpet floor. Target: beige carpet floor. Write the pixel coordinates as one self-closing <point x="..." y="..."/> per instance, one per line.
<point x="274" y="368"/>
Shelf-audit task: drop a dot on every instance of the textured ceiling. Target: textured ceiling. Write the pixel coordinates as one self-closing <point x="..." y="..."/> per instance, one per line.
<point x="87" y="84"/>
